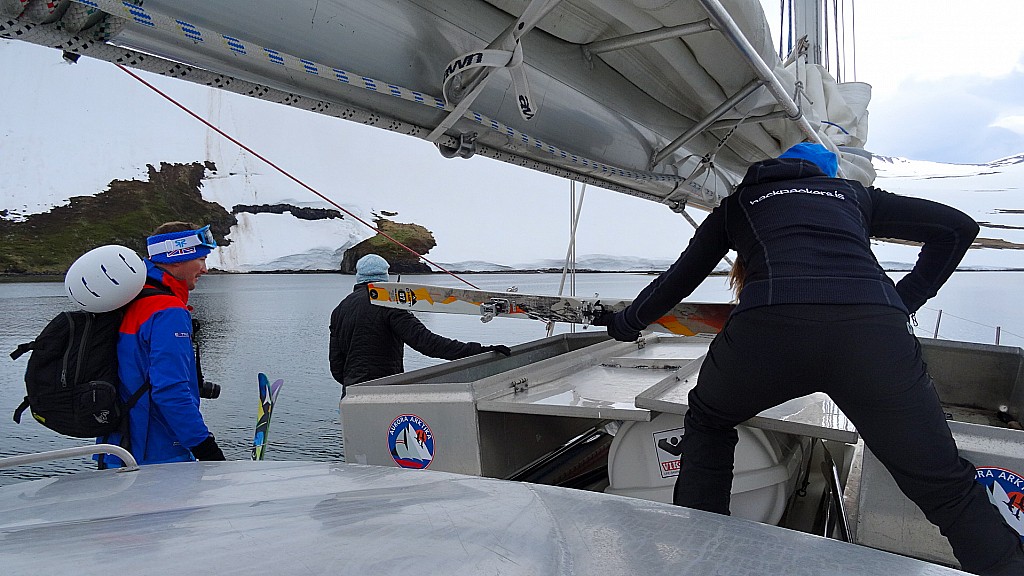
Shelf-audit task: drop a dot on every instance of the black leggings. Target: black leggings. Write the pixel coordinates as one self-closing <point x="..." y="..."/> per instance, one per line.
<point x="866" y="358"/>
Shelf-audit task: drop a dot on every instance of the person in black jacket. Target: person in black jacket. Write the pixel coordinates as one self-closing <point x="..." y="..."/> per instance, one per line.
<point x="816" y="312"/>
<point x="368" y="342"/>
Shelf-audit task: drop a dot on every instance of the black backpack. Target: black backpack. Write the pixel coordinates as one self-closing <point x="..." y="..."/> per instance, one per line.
<point x="71" y="379"/>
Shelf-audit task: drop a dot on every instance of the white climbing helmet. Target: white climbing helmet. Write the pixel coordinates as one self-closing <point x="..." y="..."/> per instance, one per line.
<point x="105" y="278"/>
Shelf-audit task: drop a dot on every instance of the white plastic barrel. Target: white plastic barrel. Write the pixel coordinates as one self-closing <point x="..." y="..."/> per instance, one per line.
<point x="643" y="462"/>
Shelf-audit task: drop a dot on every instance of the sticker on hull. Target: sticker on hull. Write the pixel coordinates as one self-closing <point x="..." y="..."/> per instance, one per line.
<point x="668" y="445"/>
<point x="411" y="442"/>
<point x="1005" y="490"/>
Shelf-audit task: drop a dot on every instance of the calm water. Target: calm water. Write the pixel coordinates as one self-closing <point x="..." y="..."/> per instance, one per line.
<point x="277" y="324"/>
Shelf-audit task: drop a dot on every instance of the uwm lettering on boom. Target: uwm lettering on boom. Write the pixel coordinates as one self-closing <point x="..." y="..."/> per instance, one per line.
<point x="457" y="65"/>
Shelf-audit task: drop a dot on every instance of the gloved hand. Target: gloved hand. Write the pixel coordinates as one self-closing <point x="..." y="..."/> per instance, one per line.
<point x="208" y="450"/>
<point x="499" y="348"/>
<point x="617" y="328"/>
<point x="603" y="319"/>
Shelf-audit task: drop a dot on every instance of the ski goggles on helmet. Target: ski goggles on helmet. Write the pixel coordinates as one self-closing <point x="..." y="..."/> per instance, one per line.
<point x="181" y="246"/>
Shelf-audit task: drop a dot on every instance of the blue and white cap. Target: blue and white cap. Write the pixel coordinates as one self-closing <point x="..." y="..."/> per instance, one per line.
<point x="181" y="246"/>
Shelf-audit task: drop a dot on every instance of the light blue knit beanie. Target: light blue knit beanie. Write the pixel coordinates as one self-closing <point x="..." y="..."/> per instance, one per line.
<point x="822" y="157"/>
<point x="371" y="268"/>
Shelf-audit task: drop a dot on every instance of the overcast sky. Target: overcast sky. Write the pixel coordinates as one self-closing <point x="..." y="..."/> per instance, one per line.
<point x="947" y="84"/>
<point x="947" y="76"/>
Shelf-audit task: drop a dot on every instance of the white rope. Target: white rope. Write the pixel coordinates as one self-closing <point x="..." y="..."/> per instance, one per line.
<point x="12" y="8"/>
<point x="570" y="252"/>
<point x="81" y="17"/>
<point x="45" y="12"/>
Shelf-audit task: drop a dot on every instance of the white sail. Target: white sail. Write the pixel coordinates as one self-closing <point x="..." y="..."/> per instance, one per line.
<point x="1007" y="506"/>
<point x="409" y="447"/>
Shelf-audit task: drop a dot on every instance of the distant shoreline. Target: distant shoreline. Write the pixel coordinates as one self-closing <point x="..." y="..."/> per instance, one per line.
<point x="15" y="278"/>
<point x="5" y="277"/>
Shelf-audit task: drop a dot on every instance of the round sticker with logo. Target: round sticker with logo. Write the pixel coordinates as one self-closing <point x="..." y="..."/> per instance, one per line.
<point x="1005" y="490"/>
<point x="410" y="441"/>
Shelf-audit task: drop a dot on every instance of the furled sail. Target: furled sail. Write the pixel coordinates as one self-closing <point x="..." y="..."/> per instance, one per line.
<point x="669" y="101"/>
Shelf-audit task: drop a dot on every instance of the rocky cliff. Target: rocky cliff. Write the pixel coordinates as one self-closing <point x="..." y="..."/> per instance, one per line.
<point x="125" y="214"/>
<point x="129" y="210"/>
<point x="416" y="237"/>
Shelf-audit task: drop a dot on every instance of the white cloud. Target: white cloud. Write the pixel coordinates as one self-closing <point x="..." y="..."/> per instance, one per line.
<point x="944" y="75"/>
<point x="954" y="120"/>
<point x="927" y="40"/>
<point x="1013" y="123"/>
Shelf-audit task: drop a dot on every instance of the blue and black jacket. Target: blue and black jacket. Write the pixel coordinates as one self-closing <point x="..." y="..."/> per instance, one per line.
<point x="155" y="346"/>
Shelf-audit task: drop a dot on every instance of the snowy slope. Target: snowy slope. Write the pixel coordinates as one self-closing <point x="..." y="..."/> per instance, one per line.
<point x="79" y="127"/>
<point x="992" y="193"/>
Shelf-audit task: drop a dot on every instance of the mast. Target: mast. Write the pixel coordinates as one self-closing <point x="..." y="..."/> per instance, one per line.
<point x="807" y="20"/>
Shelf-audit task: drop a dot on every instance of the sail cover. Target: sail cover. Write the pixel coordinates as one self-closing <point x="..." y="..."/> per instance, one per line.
<point x="565" y="87"/>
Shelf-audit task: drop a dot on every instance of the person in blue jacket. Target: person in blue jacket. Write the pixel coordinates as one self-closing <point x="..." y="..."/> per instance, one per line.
<point x="156" y="356"/>
<point x="816" y="313"/>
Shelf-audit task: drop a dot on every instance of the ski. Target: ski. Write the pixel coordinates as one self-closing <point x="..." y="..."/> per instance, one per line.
<point x="268" y="395"/>
<point x="686" y="318"/>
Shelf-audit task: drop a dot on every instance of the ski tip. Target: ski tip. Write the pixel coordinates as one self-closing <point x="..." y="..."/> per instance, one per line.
<point x="263" y="379"/>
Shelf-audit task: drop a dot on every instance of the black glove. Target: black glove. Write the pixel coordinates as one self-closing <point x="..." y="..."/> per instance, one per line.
<point x="623" y="334"/>
<point x="499" y="348"/>
<point x="616" y="326"/>
<point x="208" y="450"/>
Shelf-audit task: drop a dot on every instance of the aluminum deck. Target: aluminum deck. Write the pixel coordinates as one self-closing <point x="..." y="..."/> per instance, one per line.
<point x="321" y="518"/>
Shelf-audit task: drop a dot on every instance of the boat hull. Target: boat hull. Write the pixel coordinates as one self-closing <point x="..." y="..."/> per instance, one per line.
<point x="324" y="518"/>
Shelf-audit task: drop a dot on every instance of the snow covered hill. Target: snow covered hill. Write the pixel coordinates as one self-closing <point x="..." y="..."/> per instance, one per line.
<point x="992" y="193"/>
<point x="80" y="126"/>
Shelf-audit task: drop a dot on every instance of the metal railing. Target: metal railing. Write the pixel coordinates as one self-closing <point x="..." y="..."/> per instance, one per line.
<point x="974" y="333"/>
<point x="130" y="464"/>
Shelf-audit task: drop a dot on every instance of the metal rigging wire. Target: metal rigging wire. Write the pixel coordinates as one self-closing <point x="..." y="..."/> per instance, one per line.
<point x="838" y="35"/>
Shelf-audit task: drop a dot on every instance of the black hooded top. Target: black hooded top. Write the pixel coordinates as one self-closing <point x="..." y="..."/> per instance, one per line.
<point x="804" y="238"/>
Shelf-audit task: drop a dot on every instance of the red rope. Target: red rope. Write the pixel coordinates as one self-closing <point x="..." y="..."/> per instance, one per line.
<point x="287" y="174"/>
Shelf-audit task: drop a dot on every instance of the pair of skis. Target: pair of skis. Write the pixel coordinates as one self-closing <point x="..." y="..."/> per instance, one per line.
<point x="268" y="395"/>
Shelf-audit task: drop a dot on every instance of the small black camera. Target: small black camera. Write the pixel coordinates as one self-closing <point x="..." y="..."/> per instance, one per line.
<point x="209" y="390"/>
